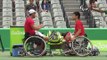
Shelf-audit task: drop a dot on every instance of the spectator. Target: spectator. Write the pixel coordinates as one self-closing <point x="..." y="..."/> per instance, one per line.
<point x="30" y="5"/>
<point x="79" y="28"/>
<point x="37" y="5"/>
<point x="45" y="6"/>
<point x="92" y="4"/>
<point x="49" y="1"/>
<point x="82" y="2"/>
<point x="13" y="5"/>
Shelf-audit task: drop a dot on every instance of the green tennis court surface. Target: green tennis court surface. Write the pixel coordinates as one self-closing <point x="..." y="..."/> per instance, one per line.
<point x="6" y="56"/>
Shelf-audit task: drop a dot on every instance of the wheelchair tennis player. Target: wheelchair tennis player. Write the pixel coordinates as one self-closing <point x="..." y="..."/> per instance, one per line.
<point x="30" y="28"/>
<point x="79" y="28"/>
<point x="34" y="40"/>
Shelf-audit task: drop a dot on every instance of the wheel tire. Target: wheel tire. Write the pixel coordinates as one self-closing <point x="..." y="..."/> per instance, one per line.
<point x="78" y="54"/>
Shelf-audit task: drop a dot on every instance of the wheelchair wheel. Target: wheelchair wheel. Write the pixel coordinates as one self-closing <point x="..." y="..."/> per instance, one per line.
<point x="81" y="46"/>
<point x="35" y="46"/>
<point x="66" y="49"/>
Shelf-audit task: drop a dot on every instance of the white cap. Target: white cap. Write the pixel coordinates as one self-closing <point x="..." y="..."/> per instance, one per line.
<point x="32" y="11"/>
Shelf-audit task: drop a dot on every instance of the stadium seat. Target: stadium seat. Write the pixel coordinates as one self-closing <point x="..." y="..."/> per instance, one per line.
<point x="100" y="22"/>
<point x="7" y="14"/>
<point x="55" y="2"/>
<point x="7" y="5"/>
<point x="19" y="6"/>
<point x="104" y="15"/>
<point x="7" y="18"/>
<point x="37" y="19"/>
<point x="20" y="14"/>
<point x="57" y="10"/>
<point x="101" y="1"/>
<point x="103" y="24"/>
<point x="46" y="19"/>
<point x="37" y="14"/>
<point x="102" y="5"/>
<point x="106" y="19"/>
<point x="48" y="27"/>
<point x="103" y="8"/>
<point x="37" y="22"/>
<point x="59" y="19"/>
<point x="97" y="23"/>
<point x="56" y="6"/>
<point x="6" y="24"/>
<point x="94" y="13"/>
<point x="20" y="10"/>
<point x="61" y="24"/>
<point x="7" y="2"/>
<point x="58" y="14"/>
<point x="7" y="10"/>
<point x="47" y="23"/>
<point x="45" y="14"/>
<point x="20" y="23"/>
<point x="20" y="19"/>
<point x="100" y="18"/>
<point x="19" y="2"/>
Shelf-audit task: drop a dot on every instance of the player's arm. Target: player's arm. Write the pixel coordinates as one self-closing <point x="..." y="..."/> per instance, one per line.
<point x="98" y="10"/>
<point x="77" y="33"/>
<point x="37" y="27"/>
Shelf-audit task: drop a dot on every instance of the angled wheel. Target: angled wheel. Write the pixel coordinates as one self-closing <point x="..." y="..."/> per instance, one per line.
<point x="81" y="46"/>
<point x="35" y="46"/>
<point x="67" y="49"/>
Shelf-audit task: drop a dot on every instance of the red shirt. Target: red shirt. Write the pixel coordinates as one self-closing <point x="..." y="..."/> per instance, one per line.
<point x="78" y="26"/>
<point x="28" y="26"/>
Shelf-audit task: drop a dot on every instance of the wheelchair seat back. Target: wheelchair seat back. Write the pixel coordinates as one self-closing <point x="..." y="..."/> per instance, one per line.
<point x="26" y="35"/>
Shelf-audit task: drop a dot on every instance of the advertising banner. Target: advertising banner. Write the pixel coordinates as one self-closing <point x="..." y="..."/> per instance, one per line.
<point x="17" y="35"/>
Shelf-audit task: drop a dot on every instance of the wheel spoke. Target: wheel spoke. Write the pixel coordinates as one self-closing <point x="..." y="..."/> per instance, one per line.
<point x="81" y="46"/>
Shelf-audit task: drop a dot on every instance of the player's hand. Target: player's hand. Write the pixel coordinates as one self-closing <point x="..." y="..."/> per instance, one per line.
<point x="41" y="25"/>
<point x="46" y="10"/>
<point x="73" y="37"/>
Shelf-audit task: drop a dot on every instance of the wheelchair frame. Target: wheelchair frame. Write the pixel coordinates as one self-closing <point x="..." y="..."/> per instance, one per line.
<point x="84" y="44"/>
<point x="70" y="49"/>
<point x="35" y="37"/>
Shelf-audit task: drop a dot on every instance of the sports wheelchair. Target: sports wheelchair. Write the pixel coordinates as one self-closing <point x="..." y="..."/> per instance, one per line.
<point x="80" y="46"/>
<point x="36" y="45"/>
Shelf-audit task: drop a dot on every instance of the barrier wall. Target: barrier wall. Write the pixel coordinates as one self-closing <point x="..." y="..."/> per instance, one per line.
<point x="97" y="36"/>
<point x="5" y="36"/>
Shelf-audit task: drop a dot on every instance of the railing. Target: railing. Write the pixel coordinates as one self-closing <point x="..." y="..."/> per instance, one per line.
<point x="87" y="13"/>
<point x="0" y="13"/>
<point x="64" y="14"/>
